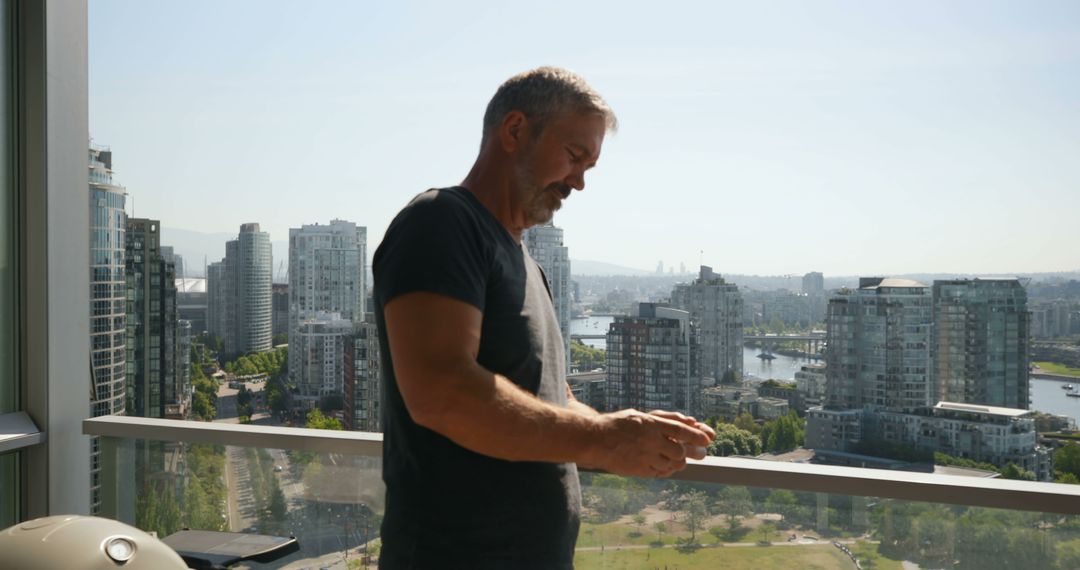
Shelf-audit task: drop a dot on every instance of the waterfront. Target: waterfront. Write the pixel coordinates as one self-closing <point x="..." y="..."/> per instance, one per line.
<point x="780" y="368"/>
<point x="1046" y="395"/>
<point x="591" y="326"/>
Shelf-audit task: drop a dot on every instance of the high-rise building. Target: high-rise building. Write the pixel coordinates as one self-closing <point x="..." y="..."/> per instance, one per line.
<point x="1053" y="319"/>
<point x="879" y="346"/>
<point x="810" y="385"/>
<point x="716" y="311"/>
<point x="217" y="298"/>
<point x="981" y="342"/>
<point x="652" y="361"/>
<point x="254" y="269"/>
<point x="317" y="357"/>
<point x="789" y="308"/>
<point x="170" y="255"/>
<point x="813" y="286"/>
<point x="183" y="370"/>
<point x="280" y="301"/>
<point x="363" y="382"/>
<point x="239" y="305"/>
<point x="326" y="271"/>
<point x="326" y="277"/>
<point x="108" y="326"/>
<point x="108" y="323"/>
<point x="545" y="245"/>
<point x="813" y="283"/>
<point x="151" y="322"/>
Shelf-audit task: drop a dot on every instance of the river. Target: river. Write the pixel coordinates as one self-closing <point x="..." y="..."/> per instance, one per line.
<point x="1046" y="395"/>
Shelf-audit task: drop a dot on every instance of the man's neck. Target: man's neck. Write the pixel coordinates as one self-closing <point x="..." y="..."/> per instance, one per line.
<point x="493" y="187"/>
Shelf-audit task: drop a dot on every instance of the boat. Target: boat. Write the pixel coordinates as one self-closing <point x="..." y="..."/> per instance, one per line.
<point x="1067" y="387"/>
<point x="1073" y="395"/>
<point x="766" y="356"/>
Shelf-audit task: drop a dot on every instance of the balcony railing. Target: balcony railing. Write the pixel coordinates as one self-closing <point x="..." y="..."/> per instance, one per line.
<point x="325" y="487"/>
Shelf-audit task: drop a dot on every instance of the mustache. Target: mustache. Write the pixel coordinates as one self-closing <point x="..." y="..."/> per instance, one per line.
<point x="562" y="188"/>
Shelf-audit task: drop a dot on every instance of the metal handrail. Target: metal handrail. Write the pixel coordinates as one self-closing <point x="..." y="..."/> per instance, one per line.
<point x="904" y="485"/>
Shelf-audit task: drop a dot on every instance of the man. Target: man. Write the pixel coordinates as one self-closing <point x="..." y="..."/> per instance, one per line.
<point x="482" y="434"/>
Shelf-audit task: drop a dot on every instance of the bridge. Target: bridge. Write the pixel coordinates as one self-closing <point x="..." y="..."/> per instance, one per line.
<point x="813" y="341"/>
<point x="783" y="337"/>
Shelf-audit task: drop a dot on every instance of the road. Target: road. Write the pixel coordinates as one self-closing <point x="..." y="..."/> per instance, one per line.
<point x="324" y="533"/>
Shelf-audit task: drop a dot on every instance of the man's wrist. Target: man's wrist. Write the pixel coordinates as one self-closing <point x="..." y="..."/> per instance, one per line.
<point x="581" y="408"/>
<point x="594" y="441"/>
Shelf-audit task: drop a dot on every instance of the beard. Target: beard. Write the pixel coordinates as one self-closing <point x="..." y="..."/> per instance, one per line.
<point x="539" y="203"/>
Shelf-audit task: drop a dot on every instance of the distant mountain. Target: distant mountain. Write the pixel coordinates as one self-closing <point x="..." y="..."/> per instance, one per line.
<point x="586" y="267"/>
<point x="194" y="247"/>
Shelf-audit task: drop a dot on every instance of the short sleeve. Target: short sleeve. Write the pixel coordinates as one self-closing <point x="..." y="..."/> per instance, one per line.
<point x="434" y="245"/>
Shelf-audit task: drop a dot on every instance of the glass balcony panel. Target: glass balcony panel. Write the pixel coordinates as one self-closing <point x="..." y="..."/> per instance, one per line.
<point x="638" y="523"/>
<point x="332" y="503"/>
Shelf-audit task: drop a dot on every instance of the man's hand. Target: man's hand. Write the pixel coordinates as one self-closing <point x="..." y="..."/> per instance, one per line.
<point x="646" y="445"/>
<point x="692" y="451"/>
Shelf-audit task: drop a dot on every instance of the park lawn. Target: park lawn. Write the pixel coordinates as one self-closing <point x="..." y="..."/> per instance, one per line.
<point x="809" y="557"/>
<point x="1061" y="369"/>
<point x="622" y="532"/>
<point x="619" y="533"/>
<point x="864" y="550"/>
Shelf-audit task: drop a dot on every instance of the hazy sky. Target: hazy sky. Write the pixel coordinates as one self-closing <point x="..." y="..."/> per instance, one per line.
<point x="844" y="137"/>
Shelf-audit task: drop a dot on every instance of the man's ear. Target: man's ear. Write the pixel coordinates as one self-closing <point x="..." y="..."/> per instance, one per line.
<point x="513" y="131"/>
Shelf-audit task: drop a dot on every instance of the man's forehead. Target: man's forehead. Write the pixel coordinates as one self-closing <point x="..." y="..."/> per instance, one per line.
<point x="584" y="131"/>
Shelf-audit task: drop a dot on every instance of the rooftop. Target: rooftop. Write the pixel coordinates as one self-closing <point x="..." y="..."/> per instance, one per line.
<point x="888" y="282"/>
<point x="991" y="410"/>
<point x="191" y="285"/>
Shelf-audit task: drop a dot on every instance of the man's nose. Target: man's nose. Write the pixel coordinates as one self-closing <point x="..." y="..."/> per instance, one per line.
<point x="576" y="180"/>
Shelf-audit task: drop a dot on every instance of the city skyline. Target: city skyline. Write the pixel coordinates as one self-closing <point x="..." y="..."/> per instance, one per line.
<point x="803" y="139"/>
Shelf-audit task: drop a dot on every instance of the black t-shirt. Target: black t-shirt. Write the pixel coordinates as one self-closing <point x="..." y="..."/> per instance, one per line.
<point x="446" y="506"/>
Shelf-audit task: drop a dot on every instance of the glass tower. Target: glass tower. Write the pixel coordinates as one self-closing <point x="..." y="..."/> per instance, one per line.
<point x="108" y="322"/>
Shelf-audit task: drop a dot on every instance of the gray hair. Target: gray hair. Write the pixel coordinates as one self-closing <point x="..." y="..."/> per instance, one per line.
<point x="541" y="95"/>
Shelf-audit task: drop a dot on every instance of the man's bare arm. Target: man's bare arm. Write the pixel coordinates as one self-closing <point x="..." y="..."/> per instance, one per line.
<point x="576" y="405"/>
<point x="434" y="342"/>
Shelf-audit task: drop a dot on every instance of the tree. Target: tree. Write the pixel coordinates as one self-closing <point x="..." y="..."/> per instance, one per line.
<point x="735" y="502"/>
<point x="639" y="521"/>
<point x="694" y="511"/>
<point x="316" y="420"/>
<point x="201" y="407"/>
<point x="1067" y="459"/>
<point x="671" y="496"/>
<point x="767" y="530"/>
<point x="275" y="399"/>
<point x="746" y="422"/>
<point x="661" y="528"/>
<point x="585" y="357"/>
<point x="1068" y="554"/>
<point x="277" y="504"/>
<point x="612" y="496"/>
<point x="781" y="502"/>
<point x="718" y="532"/>
<point x="784" y="433"/>
<point x="1068" y="479"/>
<point x="1012" y="471"/>
<point x="730" y="440"/>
